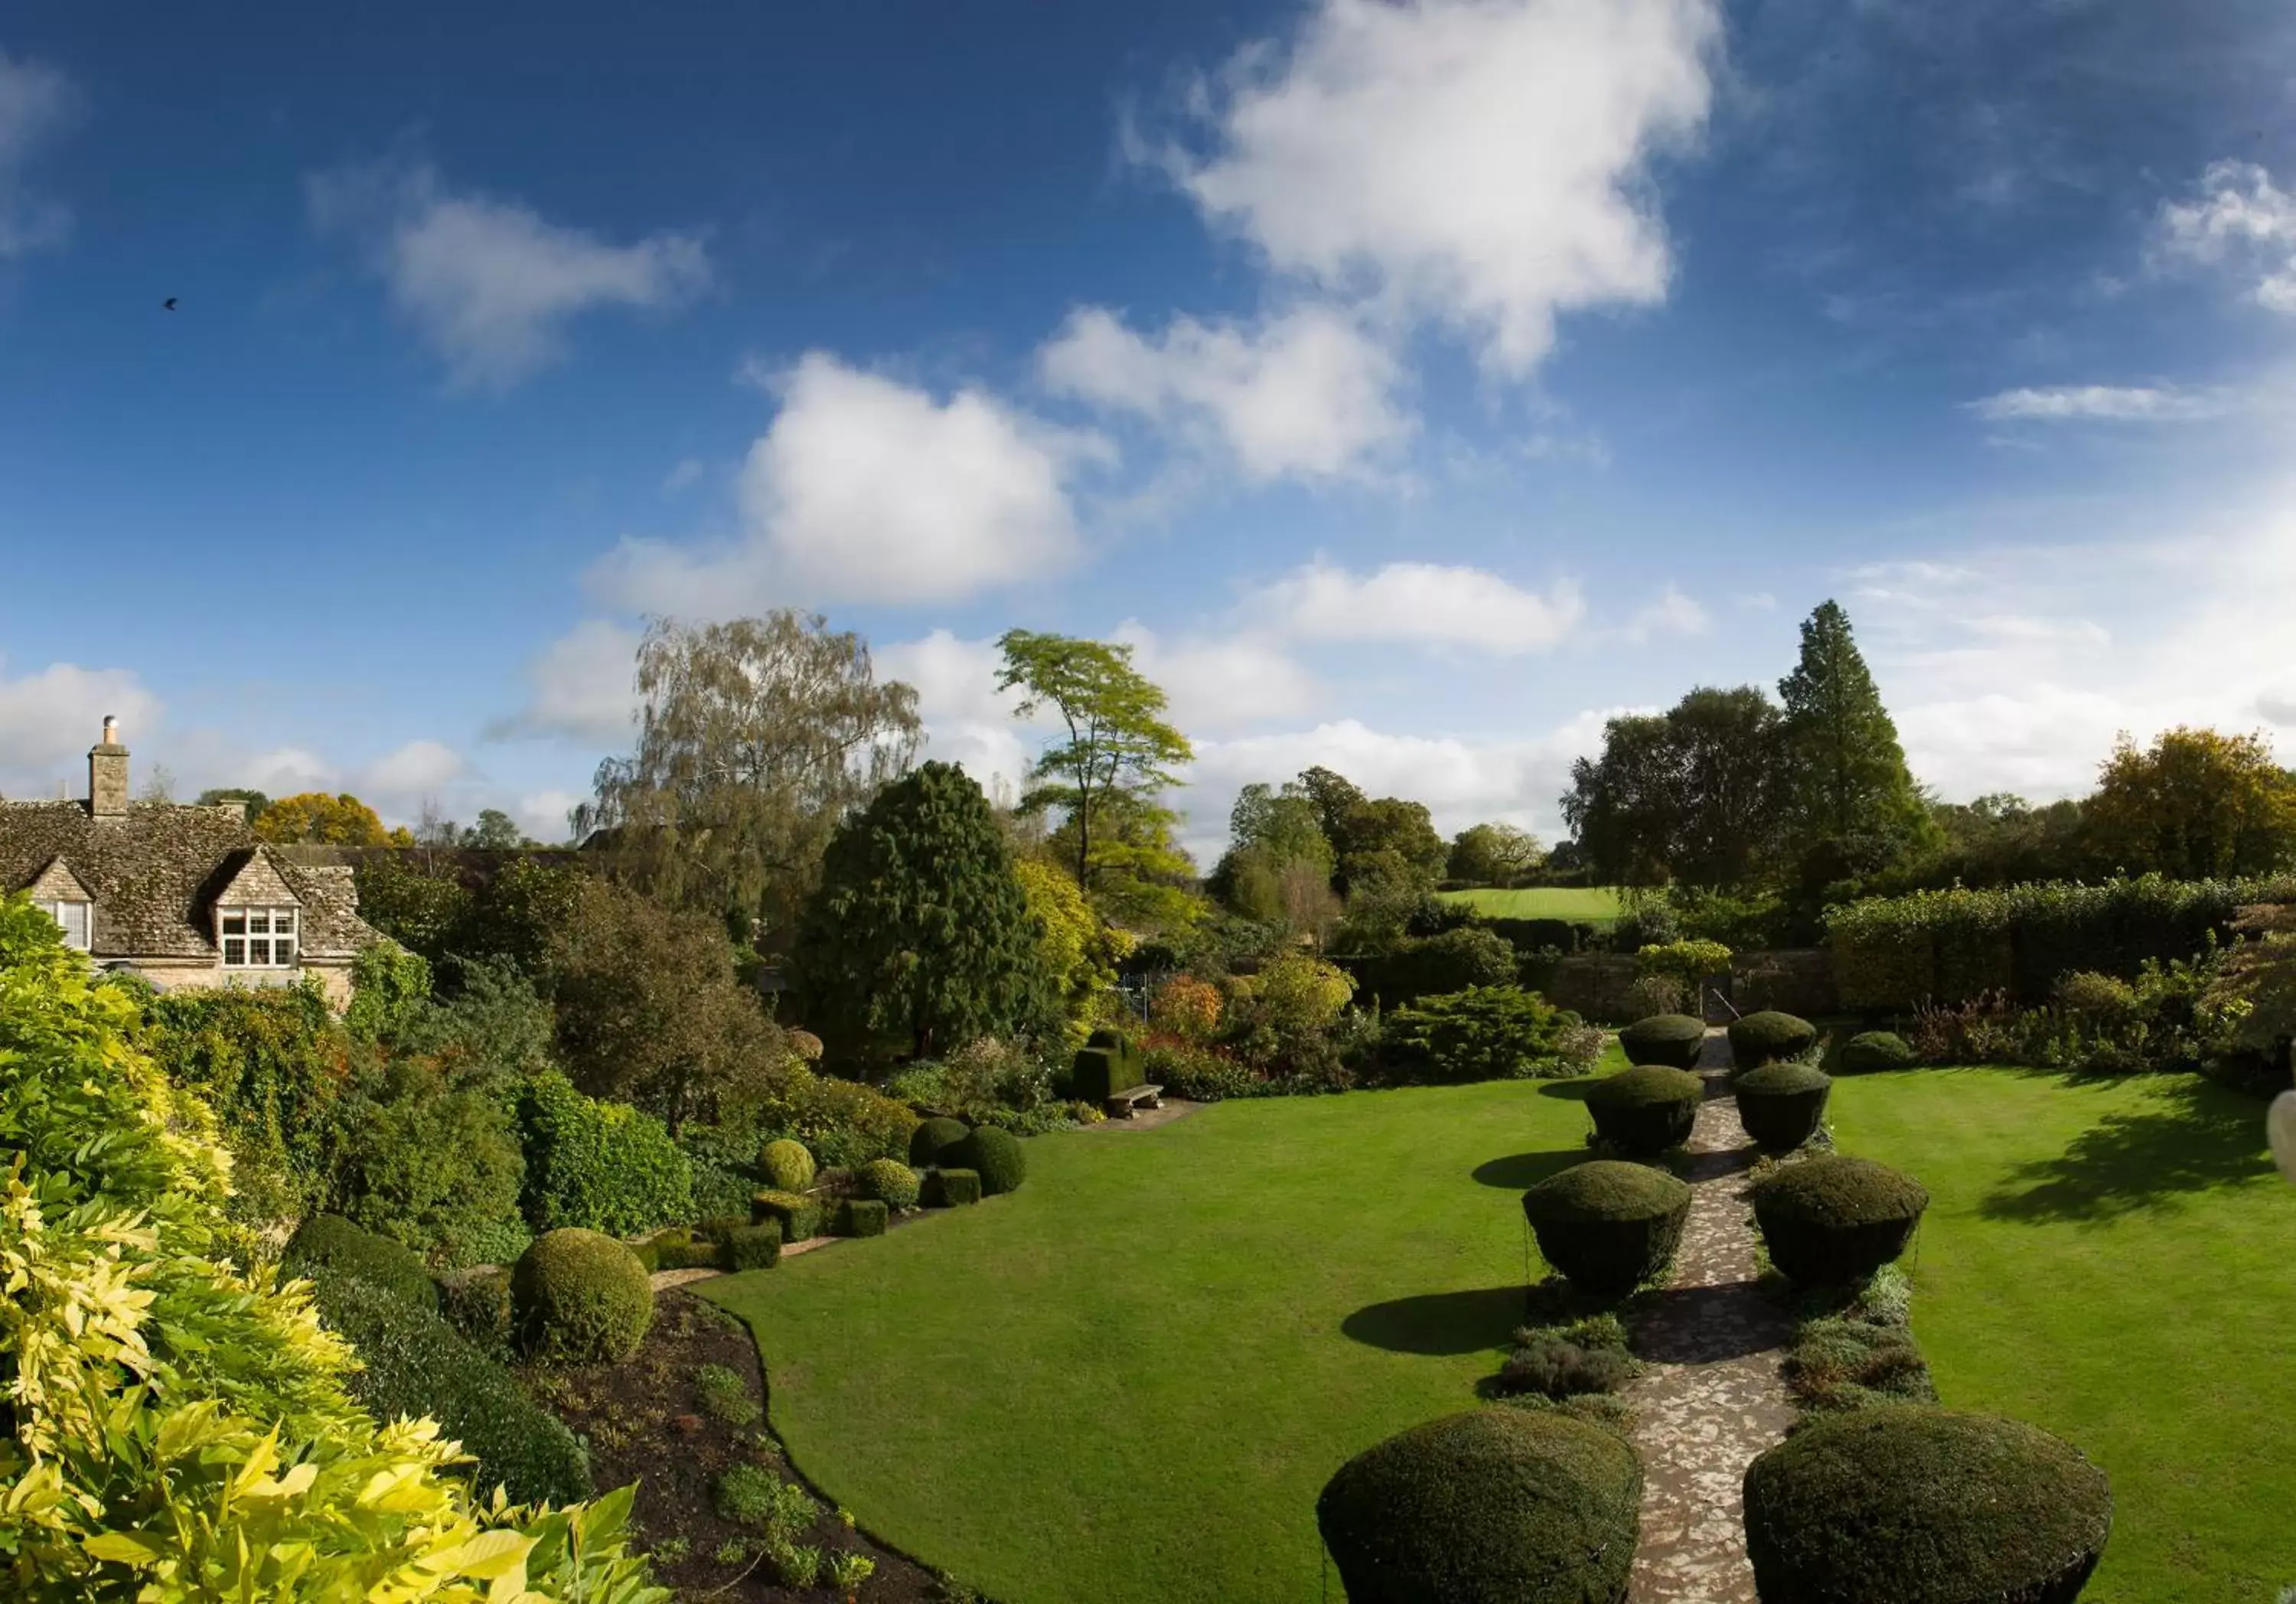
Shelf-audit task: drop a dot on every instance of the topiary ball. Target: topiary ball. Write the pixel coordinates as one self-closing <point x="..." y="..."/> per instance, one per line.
<point x="327" y="1246"/>
<point x="1499" y="1506"/>
<point x="1907" y="1505"/>
<point x="1607" y="1225"/>
<point x="891" y="1181"/>
<point x="1834" y="1219"/>
<point x="787" y="1165"/>
<point x="1770" y="1037"/>
<point x="1782" y="1105"/>
<point x="1646" y="1109"/>
<point x="996" y="1154"/>
<point x="1874" y="1052"/>
<point x="1674" y="1040"/>
<point x="930" y="1144"/>
<point x="580" y="1298"/>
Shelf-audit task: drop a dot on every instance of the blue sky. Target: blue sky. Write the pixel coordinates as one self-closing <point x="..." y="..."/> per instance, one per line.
<point x="1413" y="385"/>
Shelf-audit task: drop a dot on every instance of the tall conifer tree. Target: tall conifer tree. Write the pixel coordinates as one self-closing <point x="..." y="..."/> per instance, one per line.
<point x="1849" y="780"/>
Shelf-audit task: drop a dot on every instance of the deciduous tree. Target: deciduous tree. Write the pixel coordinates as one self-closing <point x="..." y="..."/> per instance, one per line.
<point x="2195" y="803"/>
<point x="314" y="817"/>
<point x="1695" y="794"/>
<point x="1492" y="854"/>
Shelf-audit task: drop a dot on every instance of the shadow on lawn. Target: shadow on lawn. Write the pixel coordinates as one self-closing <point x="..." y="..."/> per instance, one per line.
<point x="2198" y="1137"/>
<point x="1519" y="1172"/>
<point x="1441" y="1323"/>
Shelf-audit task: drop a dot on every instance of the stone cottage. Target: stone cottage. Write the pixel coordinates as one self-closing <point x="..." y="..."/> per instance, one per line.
<point x="182" y="894"/>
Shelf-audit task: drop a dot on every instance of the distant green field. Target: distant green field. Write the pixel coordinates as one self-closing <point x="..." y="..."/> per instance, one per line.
<point x="1581" y="905"/>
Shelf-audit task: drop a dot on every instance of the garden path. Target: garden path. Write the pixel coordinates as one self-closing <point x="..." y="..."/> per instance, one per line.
<point x="1714" y="1397"/>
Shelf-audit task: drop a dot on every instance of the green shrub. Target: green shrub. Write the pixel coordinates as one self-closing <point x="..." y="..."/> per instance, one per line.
<point x="860" y="1217"/>
<point x="752" y="1247"/>
<point x="949" y="1188"/>
<point x="1907" y="1505"/>
<point x="1484" y="1033"/>
<point x="1691" y="961"/>
<point x="477" y="1304"/>
<point x="995" y="1157"/>
<point x="797" y="1216"/>
<point x="1552" y="1365"/>
<point x="694" y="1253"/>
<point x="1468" y="958"/>
<point x="1782" y="1105"/>
<point x="414" y="1363"/>
<point x="929" y="1144"/>
<point x="1099" y="1073"/>
<point x="1874" y="1051"/>
<point x="1770" y="1037"/>
<point x="719" y="1227"/>
<point x="786" y="1165"/>
<point x="424" y="1162"/>
<point x="1673" y="1039"/>
<point x="1646" y="1109"/>
<point x="1500" y="1506"/>
<point x="602" y="1166"/>
<point x="1834" y="1219"/>
<point x="326" y="1248"/>
<point x="752" y="1495"/>
<point x="891" y="1181"/>
<point x="724" y="1395"/>
<point x="1851" y="1363"/>
<point x="579" y="1297"/>
<point x="1607" y="1225"/>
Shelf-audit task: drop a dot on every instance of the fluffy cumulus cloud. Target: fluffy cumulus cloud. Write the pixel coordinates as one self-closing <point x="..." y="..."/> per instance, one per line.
<point x="1306" y="393"/>
<point x="866" y="488"/>
<point x="2101" y="402"/>
<point x="581" y="687"/>
<point x="967" y="719"/>
<point x="37" y="101"/>
<point x="1422" y="602"/>
<point x="1480" y="162"/>
<point x="2237" y="217"/>
<point x="490" y="284"/>
<point x="50" y="717"/>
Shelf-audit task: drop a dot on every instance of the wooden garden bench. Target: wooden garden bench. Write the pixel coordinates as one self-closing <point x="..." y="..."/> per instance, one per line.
<point x="1121" y="1105"/>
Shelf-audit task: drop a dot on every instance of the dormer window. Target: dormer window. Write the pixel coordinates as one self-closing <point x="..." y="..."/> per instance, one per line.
<point x="74" y="919"/>
<point x="257" y="937"/>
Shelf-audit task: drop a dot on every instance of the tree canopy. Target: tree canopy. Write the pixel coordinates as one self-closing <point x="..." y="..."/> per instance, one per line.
<point x="315" y="817"/>
<point x="1492" y="854"/>
<point x="1848" y="780"/>
<point x="2195" y="803"/>
<point x="1694" y="794"/>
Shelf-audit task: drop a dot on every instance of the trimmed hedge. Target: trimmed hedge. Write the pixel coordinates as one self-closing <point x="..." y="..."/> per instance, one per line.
<point x="860" y="1217"/>
<point x="1607" y="1225"/>
<point x="752" y="1247"/>
<point x="579" y="1297"/>
<point x="604" y="1167"/>
<point x="1770" y="1037"/>
<point x="1109" y="1062"/>
<point x="1499" y="1506"/>
<point x="326" y="1246"/>
<point x="1874" y="1051"/>
<point x="995" y="1157"/>
<point x="1674" y="1040"/>
<point x="949" y="1188"/>
<point x="477" y="1304"/>
<point x="797" y="1216"/>
<point x="1646" y="1109"/>
<point x="1780" y="1106"/>
<point x="1832" y="1218"/>
<point x="1910" y="1505"/>
<point x="891" y="1181"/>
<point x="931" y="1141"/>
<point x="787" y="1165"/>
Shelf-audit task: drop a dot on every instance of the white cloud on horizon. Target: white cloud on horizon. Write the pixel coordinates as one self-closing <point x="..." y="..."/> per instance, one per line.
<point x="582" y="686"/>
<point x="51" y="716"/>
<point x="1424" y="603"/>
<point x="37" y="102"/>
<point x="2239" y="217"/>
<point x="2102" y="402"/>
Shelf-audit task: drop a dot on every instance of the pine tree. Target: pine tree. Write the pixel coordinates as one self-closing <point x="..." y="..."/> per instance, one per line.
<point x="1850" y="783"/>
<point x="919" y="939"/>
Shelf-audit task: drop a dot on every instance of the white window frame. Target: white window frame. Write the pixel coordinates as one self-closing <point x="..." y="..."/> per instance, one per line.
<point x="54" y="909"/>
<point x="242" y="931"/>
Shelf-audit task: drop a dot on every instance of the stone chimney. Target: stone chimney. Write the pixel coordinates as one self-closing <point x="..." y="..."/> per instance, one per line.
<point x="107" y="773"/>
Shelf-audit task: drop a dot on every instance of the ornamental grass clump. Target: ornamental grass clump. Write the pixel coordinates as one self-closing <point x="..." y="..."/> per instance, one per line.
<point x="1834" y="1219"/>
<point x="1644" y="1111"/>
<point x="1781" y="1105"/>
<point x="1911" y="1505"/>
<point x="1607" y="1225"/>
<point x="1673" y="1039"/>
<point x="580" y="1298"/>
<point x="1770" y="1037"/>
<point x="1498" y="1506"/>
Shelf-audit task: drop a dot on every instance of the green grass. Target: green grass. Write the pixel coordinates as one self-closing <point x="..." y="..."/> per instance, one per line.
<point x="1129" y="1379"/>
<point x="2114" y="1261"/>
<point x="1581" y="905"/>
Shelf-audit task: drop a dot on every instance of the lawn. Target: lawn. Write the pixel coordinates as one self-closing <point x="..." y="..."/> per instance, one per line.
<point x="1581" y="905"/>
<point x="2114" y="1261"/>
<point x="1129" y="1379"/>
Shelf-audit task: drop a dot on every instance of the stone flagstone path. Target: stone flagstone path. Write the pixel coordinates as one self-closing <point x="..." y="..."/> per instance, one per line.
<point x="1714" y="1397"/>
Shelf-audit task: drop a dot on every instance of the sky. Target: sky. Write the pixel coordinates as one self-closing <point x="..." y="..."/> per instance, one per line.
<point x="1413" y="386"/>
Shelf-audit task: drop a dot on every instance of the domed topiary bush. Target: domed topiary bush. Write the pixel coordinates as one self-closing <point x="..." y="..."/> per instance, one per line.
<point x="996" y="1154"/>
<point x="1646" y="1109"/>
<point x="1607" y="1225"/>
<point x="1769" y="1037"/>
<point x="1904" y="1504"/>
<point x="1834" y="1219"/>
<point x="787" y="1165"/>
<point x="1781" y="1105"/>
<point x="1674" y="1040"/>
<point x="1875" y="1050"/>
<point x="930" y="1144"/>
<point x="579" y="1297"/>
<point x="891" y="1181"/>
<point x="327" y="1246"/>
<point x="1499" y="1506"/>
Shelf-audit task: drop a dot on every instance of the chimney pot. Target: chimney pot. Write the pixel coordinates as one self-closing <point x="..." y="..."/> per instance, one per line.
<point x="107" y="773"/>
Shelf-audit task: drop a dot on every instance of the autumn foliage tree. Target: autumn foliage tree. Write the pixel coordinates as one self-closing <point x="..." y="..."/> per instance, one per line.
<point x="316" y="817"/>
<point x="2194" y="804"/>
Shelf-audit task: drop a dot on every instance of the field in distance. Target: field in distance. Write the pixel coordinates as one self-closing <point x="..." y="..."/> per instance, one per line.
<point x="1581" y="905"/>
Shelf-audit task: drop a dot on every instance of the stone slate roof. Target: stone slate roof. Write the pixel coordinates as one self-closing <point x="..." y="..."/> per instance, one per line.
<point x="156" y="870"/>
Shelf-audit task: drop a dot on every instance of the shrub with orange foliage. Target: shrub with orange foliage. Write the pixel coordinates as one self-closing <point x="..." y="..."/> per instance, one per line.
<point x="1186" y="1007"/>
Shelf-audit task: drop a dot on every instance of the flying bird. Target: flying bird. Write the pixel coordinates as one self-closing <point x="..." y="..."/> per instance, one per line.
<point x="170" y="304"/>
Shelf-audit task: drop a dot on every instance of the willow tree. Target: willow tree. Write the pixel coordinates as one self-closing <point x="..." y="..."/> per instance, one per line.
<point x="755" y="739"/>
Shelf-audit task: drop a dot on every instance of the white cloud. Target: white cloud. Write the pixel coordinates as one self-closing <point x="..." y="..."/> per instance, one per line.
<point x="1221" y="682"/>
<point x="490" y="284"/>
<point x="1482" y="162"/>
<point x="35" y="102"/>
<point x="866" y="488"/>
<point x="967" y="719"/>
<point x="1306" y="393"/>
<point x="1672" y="616"/>
<point x="542" y="814"/>
<point x="1422" y="602"/>
<point x="2239" y="217"/>
<point x="682" y="478"/>
<point x="582" y="686"/>
<point x="420" y="768"/>
<point x="2105" y="403"/>
<point x="49" y="718"/>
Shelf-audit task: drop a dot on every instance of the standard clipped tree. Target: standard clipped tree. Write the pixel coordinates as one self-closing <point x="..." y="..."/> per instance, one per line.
<point x="919" y="939"/>
<point x="1849" y="784"/>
